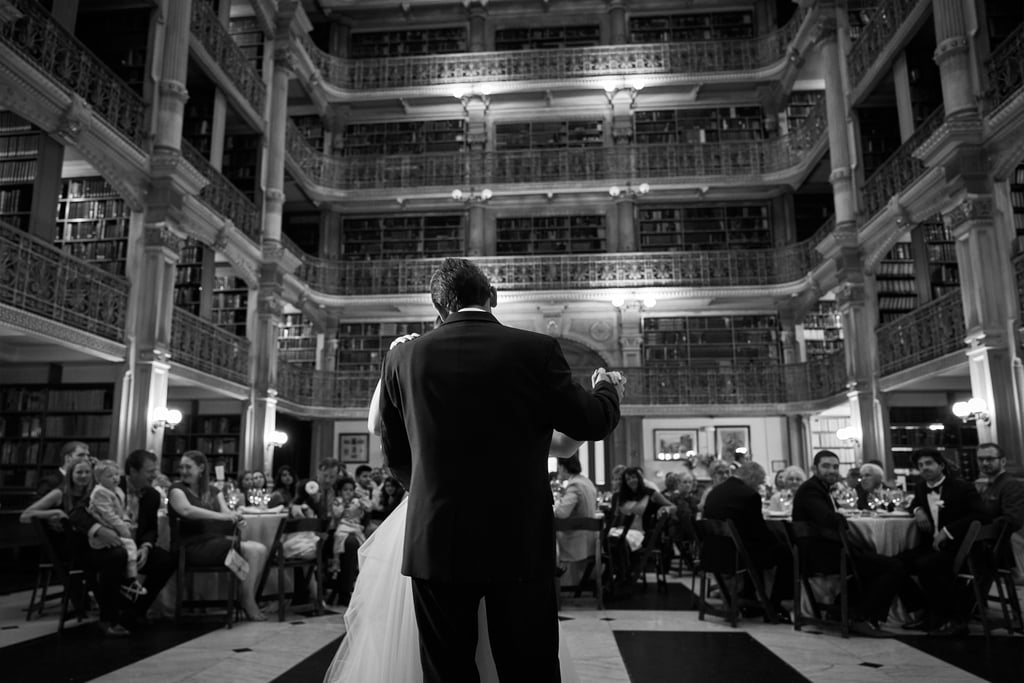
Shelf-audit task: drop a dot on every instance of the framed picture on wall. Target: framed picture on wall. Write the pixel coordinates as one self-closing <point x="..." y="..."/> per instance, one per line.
<point x="778" y="465"/>
<point x="354" y="448"/>
<point x="674" y="444"/>
<point x="728" y="439"/>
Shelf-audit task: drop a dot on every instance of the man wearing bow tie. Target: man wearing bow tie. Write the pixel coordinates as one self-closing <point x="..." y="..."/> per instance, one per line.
<point x="944" y="506"/>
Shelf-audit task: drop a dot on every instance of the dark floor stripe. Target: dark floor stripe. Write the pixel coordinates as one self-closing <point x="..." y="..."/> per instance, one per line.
<point x="679" y="656"/>
<point x="674" y="596"/>
<point x="1000" y="659"/>
<point x="82" y="653"/>
<point x="313" y="667"/>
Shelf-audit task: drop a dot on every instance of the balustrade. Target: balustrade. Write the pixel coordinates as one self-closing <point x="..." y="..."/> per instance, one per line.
<point x="926" y="333"/>
<point x="901" y="169"/>
<point x="1006" y="68"/>
<point x="305" y="386"/>
<point x="39" y="278"/>
<point x="885" y="22"/>
<point x="221" y="195"/>
<point x="214" y="37"/>
<point x="557" y="64"/>
<point x="201" y="345"/>
<point x="38" y="38"/>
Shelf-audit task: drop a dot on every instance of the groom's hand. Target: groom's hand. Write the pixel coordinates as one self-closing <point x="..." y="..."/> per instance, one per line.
<point x="615" y="378"/>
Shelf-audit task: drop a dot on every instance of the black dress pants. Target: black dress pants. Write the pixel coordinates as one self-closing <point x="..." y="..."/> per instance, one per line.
<point x="159" y="567"/>
<point x="522" y="625"/>
<point x="108" y="566"/>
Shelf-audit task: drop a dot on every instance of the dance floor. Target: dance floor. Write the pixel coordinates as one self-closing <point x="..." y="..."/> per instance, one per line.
<point x="647" y="638"/>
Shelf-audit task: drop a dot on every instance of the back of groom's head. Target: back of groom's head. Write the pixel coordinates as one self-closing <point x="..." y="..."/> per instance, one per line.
<point x="458" y="283"/>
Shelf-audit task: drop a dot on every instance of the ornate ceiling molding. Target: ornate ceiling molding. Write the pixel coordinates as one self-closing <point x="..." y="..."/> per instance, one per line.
<point x="63" y="334"/>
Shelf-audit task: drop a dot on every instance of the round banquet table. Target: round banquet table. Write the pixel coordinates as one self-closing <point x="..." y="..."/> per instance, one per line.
<point x="888" y="535"/>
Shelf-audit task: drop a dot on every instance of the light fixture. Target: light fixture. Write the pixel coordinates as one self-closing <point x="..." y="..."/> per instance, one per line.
<point x="166" y="418"/>
<point x="472" y="197"/>
<point x="629" y="191"/>
<point x="646" y="302"/>
<point x="975" y="409"/>
<point x="850" y="434"/>
<point x="936" y="427"/>
<point x="276" y="439"/>
<point x="618" y="301"/>
<point x="650" y="302"/>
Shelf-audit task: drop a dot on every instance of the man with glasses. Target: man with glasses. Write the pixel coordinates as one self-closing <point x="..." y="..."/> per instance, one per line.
<point x="1003" y="498"/>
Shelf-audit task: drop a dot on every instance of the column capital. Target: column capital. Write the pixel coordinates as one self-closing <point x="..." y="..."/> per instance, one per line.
<point x="970" y="208"/>
<point x="285" y="59"/>
<point x="851" y="294"/>
<point x="172" y="88"/>
<point x="949" y="48"/>
<point x="75" y="119"/>
<point x="824" y="30"/>
<point x="160" y="235"/>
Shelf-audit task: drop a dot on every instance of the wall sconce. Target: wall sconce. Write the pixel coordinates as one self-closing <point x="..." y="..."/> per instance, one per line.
<point x="166" y="418"/>
<point x="276" y="439"/>
<point x="629" y="192"/>
<point x="972" y="409"/>
<point x="850" y="434"/>
<point x="472" y="197"/>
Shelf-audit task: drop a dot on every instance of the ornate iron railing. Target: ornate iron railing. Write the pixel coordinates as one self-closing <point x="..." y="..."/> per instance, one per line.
<point x="821" y="377"/>
<point x="814" y="257"/>
<point x="305" y="386"/>
<point x="930" y="331"/>
<point x="206" y="27"/>
<point x="37" y="37"/>
<point x="560" y="64"/>
<point x="221" y="195"/>
<point x="1006" y="68"/>
<point x="901" y="169"/>
<point x="39" y="278"/>
<point x="885" y="22"/>
<point x="201" y="345"/>
<point x="812" y="128"/>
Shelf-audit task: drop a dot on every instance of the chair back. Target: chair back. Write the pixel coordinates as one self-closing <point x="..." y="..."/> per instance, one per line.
<point x="297" y="524"/>
<point x="52" y="542"/>
<point x="976" y="534"/>
<point x="721" y="547"/>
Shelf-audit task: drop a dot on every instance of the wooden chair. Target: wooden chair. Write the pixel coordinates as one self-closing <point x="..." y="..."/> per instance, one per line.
<point x="651" y="552"/>
<point x="595" y="566"/>
<point x="725" y="556"/>
<point x="977" y="562"/>
<point x="803" y="535"/>
<point x="306" y="566"/>
<point x="62" y="571"/>
<point x="185" y="576"/>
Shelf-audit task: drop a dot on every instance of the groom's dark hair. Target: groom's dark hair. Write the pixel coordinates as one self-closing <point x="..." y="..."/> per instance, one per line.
<point x="458" y="283"/>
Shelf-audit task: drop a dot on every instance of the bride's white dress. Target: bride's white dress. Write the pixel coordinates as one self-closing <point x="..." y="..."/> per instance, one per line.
<point x="382" y="643"/>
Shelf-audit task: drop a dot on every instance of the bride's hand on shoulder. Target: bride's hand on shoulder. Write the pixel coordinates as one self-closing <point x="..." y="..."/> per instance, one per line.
<point x="401" y="340"/>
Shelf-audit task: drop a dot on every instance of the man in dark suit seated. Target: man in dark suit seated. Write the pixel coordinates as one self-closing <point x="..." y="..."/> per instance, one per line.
<point x="143" y="503"/>
<point x="1002" y="496"/>
<point x="944" y="506"/>
<point x="737" y="499"/>
<point x="881" y="577"/>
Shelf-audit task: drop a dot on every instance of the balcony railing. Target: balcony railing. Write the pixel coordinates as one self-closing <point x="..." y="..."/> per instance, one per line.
<point x="559" y="64"/>
<point x="221" y="195"/>
<point x="210" y="32"/>
<point x="38" y="38"/>
<point x="39" y="278"/>
<point x="814" y="257"/>
<point x="305" y="386"/>
<point x="1006" y="68"/>
<point x="885" y="22"/>
<point x="929" y="332"/>
<point x="901" y="169"/>
<point x="201" y="345"/>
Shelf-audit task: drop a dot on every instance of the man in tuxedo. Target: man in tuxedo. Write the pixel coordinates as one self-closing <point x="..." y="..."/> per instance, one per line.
<point x="943" y="507"/>
<point x="578" y="499"/>
<point x="475" y="401"/>
<point x="68" y="453"/>
<point x="737" y="499"/>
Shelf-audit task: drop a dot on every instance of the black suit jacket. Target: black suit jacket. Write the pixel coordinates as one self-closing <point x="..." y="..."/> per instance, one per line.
<point x="467" y="412"/>
<point x="961" y="505"/>
<point x="733" y="499"/>
<point x="813" y="503"/>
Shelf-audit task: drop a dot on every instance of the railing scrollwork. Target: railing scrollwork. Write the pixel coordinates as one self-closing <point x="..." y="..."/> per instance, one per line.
<point x="885" y="22"/>
<point x="221" y="195"/>
<point x="201" y="345"/>
<point x="926" y="333"/>
<point x="210" y="32"/>
<point x="1006" y="68"/>
<point x="901" y="169"/>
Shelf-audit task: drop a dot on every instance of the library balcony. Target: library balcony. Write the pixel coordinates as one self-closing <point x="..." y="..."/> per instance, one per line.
<point x="221" y="195"/>
<point x="761" y="57"/>
<point x="200" y="345"/>
<point x="1006" y="69"/>
<point x="217" y="51"/>
<point x="891" y="20"/>
<point x="929" y="332"/>
<point x="40" y="284"/>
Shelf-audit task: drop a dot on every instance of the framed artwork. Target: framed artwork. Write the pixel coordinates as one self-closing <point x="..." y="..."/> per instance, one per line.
<point x="673" y="444"/>
<point x="778" y="465"/>
<point x="728" y="439"/>
<point x="354" y="448"/>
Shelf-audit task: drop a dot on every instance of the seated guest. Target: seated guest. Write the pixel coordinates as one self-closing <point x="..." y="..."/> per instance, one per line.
<point x="391" y="494"/>
<point x="686" y="500"/>
<point x="737" y="499"/>
<point x="578" y="499"/>
<point x="944" y="506"/>
<point x="881" y="577"/>
<point x="245" y="486"/>
<point x="366" y="487"/>
<point x="284" y="487"/>
<point x="193" y="500"/>
<point x="69" y="453"/>
<point x="719" y="471"/>
<point x="791" y="479"/>
<point x="870" y="486"/>
<point x="259" y="480"/>
<point x="635" y="508"/>
<point x="349" y="512"/>
<point x="1002" y="496"/>
<point x="107" y="505"/>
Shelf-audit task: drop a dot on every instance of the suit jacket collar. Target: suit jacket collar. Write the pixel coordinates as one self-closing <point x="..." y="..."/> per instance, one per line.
<point x="475" y="316"/>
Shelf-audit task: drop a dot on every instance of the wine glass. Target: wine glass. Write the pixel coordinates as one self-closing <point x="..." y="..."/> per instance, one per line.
<point x="874" y="500"/>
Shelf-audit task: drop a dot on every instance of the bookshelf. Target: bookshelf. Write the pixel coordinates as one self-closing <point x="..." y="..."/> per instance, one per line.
<point x="249" y="38"/>
<point x="361" y="346"/>
<point x="92" y="223"/>
<point x="19" y="150"/>
<point x="296" y="340"/>
<point x="548" y="134"/>
<point x="546" y="37"/>
<point x="717" y="124"/>
<point x="823" y="330"/>
<point x="580" y="234"/>
<point x="119" y="37"/>
<point x="897" y="289"/>
<point x="1017" y="202"/>
<point x="188" y="276"/>
<point x="943" y="270"/>
<point x="230" y="308"/>
<point x="241" y="163"/>
<point x="879" y="136"/>
<point x="217" y="436"/>
<point x="36" y="420"/>
<point x="403" y="236"/>
<point x="704" y="228"/>
<point x="712" y="341"/>
<point x="677" y="28"/>
<point x="909" y="430"/>
<point x="823" y="437"/>
<point x="312" y="128"/>
<point x="405" y="137"/>
<point x="197" y="128"/>
<point x="440" y="40"/>
<point x="798" y="106"/>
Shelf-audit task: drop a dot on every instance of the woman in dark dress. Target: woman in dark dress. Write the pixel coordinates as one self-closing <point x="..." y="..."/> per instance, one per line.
<point x="193" y="500"/>
<point x="636" y="509"/>
<point x="284" y="487"/>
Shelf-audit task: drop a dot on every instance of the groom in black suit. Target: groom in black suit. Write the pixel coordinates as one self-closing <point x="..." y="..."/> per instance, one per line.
<point x="470" y="402"/>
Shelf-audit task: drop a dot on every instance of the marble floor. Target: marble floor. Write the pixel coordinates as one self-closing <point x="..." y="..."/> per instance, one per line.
<point x="612" y="646"/>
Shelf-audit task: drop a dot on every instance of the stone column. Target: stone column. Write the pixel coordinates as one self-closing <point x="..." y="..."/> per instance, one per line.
<point x="858" y="315"/>
<point x="274" y="201"/>
<point x="476" y="237"/>
<point x="631" y="334"/>
<point x="477" y="27"/>
<point x="838" y="140"/>
<point x="796" y="434"/>
<point x="617" y="29"/>
<point x="338" y="41"/>
<point x="904" y="103"/>
<point x="172" y="93"/>
<point x="269" y="316"/>
<point x="952" y="54"/>
<point x="624" y="207"/>
<point x="790" y="351"/>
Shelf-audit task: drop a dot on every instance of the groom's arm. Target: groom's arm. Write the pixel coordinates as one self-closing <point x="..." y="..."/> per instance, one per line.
<point x="582" y="415"/>
<point x="393" y="436"/>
